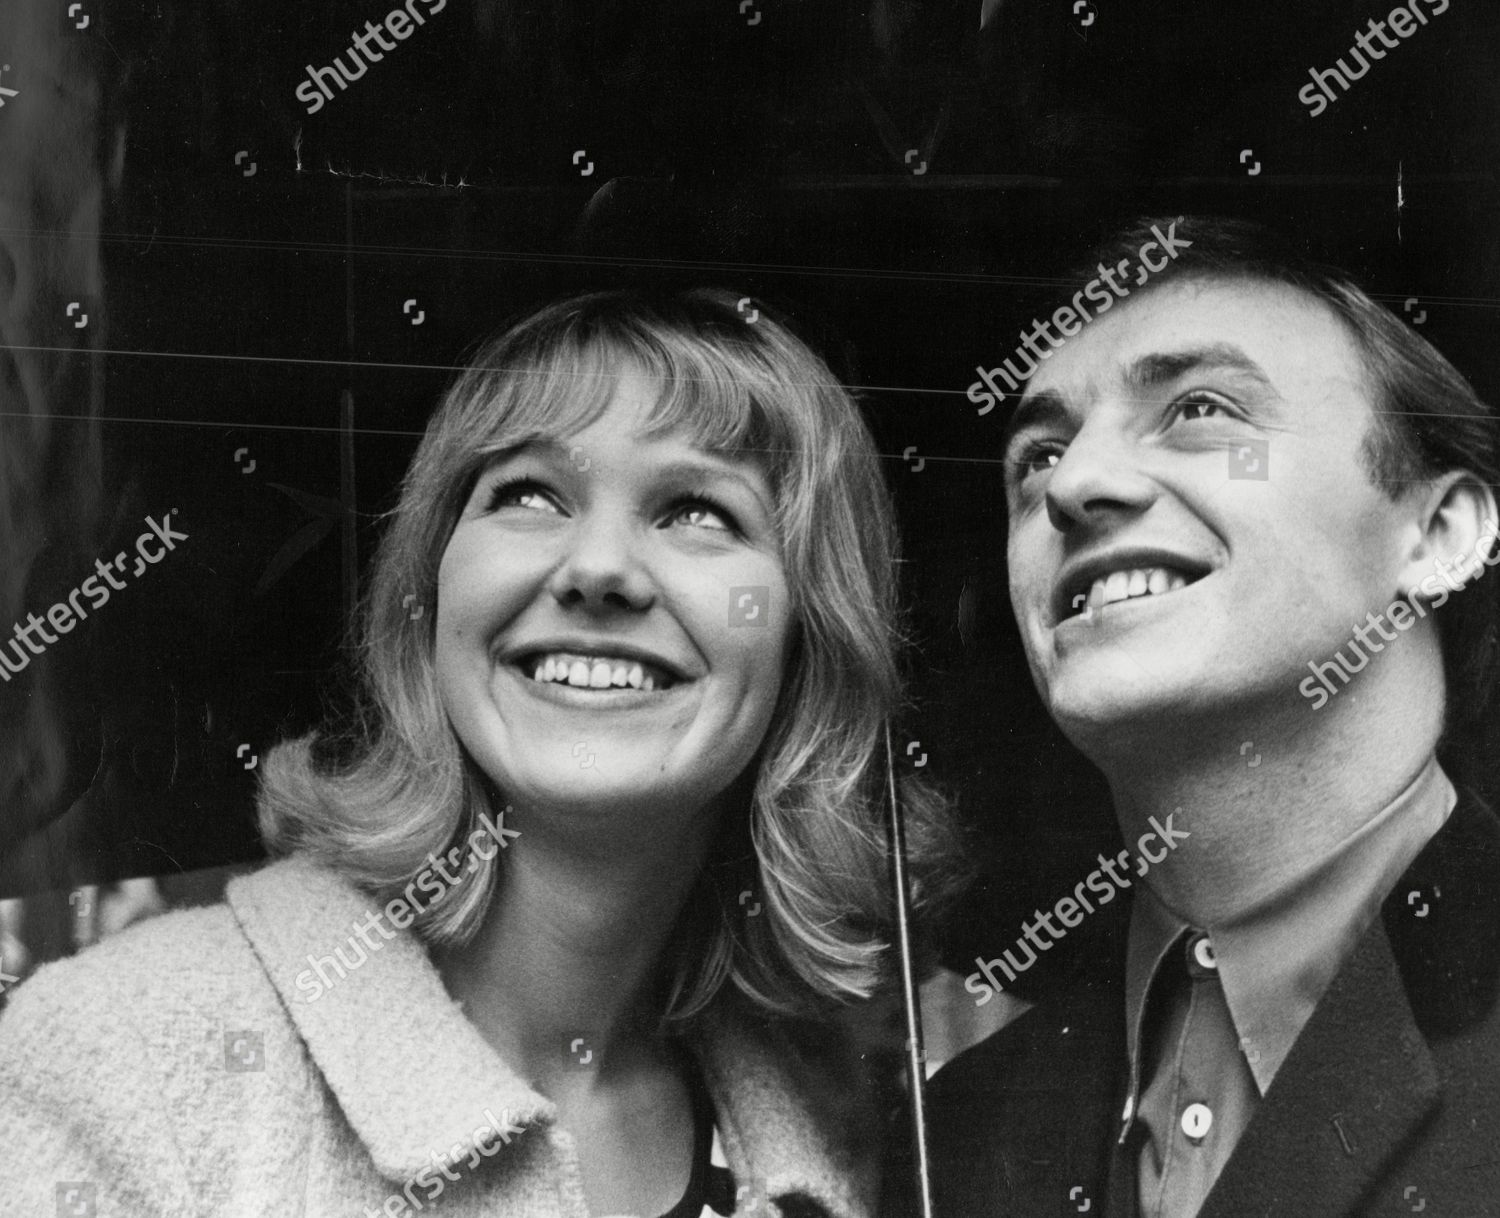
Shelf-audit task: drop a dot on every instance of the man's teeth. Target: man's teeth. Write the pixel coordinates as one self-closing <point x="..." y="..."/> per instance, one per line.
<point x="1141" y="581"/>
<point x="597" y="672"/>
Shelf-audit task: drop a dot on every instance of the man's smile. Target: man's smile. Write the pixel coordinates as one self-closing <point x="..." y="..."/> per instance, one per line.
<point x="1089" y="584"/>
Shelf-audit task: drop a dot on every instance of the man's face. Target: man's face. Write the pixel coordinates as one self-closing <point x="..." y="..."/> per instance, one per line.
<point x="1118" y="485"/>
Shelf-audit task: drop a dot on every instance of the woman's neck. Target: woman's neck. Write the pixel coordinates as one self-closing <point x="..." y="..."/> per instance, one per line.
<point x="563" y="977"/>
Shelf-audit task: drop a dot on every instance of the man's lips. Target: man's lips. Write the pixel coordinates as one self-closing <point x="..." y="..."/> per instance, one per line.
<point x="1089" y="585"/>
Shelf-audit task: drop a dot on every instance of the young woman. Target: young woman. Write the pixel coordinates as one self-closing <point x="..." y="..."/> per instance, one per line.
<point x="607" y="822"/>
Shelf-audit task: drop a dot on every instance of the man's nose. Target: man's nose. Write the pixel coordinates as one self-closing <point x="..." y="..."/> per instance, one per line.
<point x="604" y="567"/>
<point x="1099" y="474"/>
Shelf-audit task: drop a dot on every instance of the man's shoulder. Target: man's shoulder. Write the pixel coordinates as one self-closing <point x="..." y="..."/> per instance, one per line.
<point x="1443" y="923"/>
<point x="1066" y="1047"/>
<point x="1026" y="1107"/>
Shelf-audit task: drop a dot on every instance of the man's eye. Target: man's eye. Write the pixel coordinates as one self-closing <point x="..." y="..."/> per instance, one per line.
<point x="1032" y="457"/>
<point x="524" y="493"/>
<point x="1201" y="406"/>
<point x="701" y="513"/>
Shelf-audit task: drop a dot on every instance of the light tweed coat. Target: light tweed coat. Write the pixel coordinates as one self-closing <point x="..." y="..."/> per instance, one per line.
<point x="130" y="1085"/>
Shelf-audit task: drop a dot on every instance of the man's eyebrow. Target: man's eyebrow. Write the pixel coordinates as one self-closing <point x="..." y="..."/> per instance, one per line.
<point x="1040" y="409"/>
<point x="1147" y="373"/>
<point x="1153" y="371"/>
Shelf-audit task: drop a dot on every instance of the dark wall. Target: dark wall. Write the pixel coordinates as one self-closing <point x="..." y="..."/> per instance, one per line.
<point x="771" y="147"/>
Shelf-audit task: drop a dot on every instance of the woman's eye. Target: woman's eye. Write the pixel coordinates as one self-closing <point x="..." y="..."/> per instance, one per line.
<point x="521" y="493"/>
<point x="702" y="514"/>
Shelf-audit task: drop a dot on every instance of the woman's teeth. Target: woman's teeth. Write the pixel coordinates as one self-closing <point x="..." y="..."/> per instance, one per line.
<point x="1125" y="585"/>
<point x="598" y="672"/>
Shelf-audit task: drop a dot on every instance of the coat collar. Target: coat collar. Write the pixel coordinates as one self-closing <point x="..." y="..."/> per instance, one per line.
<point x="410" y="1072"/>
<point x="1357" y="1083"/>
<point x="771" y="1136"/>
<point x="1361" y="1079"/>
<point x="413" y="1076"/>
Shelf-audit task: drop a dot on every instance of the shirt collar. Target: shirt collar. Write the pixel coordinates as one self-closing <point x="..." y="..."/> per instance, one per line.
<point x="1275" y="959"/>
<point x="413" y="1076"/>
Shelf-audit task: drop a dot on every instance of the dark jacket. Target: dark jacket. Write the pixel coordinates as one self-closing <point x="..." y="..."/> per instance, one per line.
<point x="1388" y="1104"/>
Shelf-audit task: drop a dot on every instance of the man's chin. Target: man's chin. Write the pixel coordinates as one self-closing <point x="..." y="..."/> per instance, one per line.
<point x="1103" y="716"/>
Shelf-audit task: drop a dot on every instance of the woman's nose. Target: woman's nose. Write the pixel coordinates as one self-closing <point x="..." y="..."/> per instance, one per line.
<point x="605" y="566"/>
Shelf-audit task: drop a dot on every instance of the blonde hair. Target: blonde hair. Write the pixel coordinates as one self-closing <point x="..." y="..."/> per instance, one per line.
<point x="375" y="796"/>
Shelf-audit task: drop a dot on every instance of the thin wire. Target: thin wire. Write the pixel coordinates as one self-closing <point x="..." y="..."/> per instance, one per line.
<point x="808" y="270"/>
<point x="915" y="1051"/>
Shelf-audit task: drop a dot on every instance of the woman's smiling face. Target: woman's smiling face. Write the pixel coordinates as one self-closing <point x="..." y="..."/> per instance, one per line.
<point x="586" y="648"/>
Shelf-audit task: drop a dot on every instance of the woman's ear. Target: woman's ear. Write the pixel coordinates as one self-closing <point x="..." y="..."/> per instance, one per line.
<point x="1456" y="535"/>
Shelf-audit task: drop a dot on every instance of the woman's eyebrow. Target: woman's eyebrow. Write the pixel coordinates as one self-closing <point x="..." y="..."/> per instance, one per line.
<point x="682" y="469"/>
<point x="542" y="446"/>
<point x="708" y="465"/>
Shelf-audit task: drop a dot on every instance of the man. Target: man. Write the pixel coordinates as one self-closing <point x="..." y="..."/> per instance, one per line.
<point x="1240" y="472"/>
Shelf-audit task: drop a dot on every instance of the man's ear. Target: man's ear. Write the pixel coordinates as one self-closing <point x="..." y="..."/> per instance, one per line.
<point x="1457" y="529"/>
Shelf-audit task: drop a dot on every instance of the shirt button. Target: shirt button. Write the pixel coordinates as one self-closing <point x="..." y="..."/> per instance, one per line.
<point x="1196" y="1121"/>
<point x="1203" y="953"/>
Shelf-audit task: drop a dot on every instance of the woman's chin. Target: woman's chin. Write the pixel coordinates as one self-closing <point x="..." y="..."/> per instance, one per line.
<point x="591" y="782"/>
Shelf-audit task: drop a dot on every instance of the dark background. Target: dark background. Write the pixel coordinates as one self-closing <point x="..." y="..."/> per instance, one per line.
<point x="776" y="158"/>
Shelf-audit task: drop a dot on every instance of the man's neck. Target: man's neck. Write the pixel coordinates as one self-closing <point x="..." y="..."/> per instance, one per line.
<point x="1264" y="800"/>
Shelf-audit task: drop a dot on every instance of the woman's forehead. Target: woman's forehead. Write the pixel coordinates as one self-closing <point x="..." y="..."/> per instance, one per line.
<point x="561" y="404"/>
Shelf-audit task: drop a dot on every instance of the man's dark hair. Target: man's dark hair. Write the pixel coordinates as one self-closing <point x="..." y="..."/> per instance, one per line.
<point x="1427" y="418"/>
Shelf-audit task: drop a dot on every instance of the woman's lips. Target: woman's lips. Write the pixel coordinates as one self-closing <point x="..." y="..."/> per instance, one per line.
<point x="590" y="671"/>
